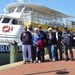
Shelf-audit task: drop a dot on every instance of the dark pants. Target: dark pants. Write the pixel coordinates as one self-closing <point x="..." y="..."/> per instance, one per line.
<point x="32" y="53"/>
<point x="42" y="54"/>
<point x="36" y="54"/>
<point x="68" y="46"/>
<point x="59" y="46"/>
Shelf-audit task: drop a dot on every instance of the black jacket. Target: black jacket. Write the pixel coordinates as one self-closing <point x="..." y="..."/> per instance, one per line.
<point x="26" y="38"/>
<point x="51" y="41"/>
<point x="44" y="37"/>
<point x="59" y="36"/>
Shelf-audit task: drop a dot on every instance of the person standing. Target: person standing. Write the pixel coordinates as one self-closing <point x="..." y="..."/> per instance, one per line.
<point x="31" y="30"/>
<point x="58" y="35"/>
<point x="44" y="40"/>
<point x="66" y="40"/>
<point x="51" y="44"/>
<point x="26" y="39"/>
<point x="37" y="45"/>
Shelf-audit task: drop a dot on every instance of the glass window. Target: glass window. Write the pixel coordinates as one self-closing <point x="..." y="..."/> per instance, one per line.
<point x="11" y="10"/>
<point x="14" y="21"/>
<point x="27" y="9"/>
<point x="6" y="20"/>
<point x="0" y="18"/>
<point x="20" y="22"/>
<point x="20" y="8"/>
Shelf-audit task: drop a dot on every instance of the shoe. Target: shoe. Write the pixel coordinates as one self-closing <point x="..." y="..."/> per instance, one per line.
<point x="43" y="60"/>
<point x="34" y="62"/>
<point x="50" y="60"/>
<point x="28" y="61"/>
<point x="39" y="61"/>
<point x="72" y="59"/>
<point x="24" y="63"/>
<point x="66" y="59"/>
<point x="53" y="60"/>
<point x="61" y="58"/>
<point x="56" y="59"/>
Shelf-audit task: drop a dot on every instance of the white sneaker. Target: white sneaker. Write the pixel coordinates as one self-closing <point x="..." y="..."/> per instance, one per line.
<point x="53" y="60"/>
<point x="39" y="61"/>
<point x="34" y="62"/>
<point x="50" y="60"/>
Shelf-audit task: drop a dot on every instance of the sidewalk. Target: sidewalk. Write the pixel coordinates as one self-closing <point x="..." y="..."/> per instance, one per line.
<point x="8" y="66"/>
<point x="47" y="68"/>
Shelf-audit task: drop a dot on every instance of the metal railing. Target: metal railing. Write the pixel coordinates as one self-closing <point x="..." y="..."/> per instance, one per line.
<point x="5" y="38"/>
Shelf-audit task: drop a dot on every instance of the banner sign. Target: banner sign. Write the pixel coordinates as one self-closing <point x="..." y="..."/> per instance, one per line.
<point x="6" y="48"/>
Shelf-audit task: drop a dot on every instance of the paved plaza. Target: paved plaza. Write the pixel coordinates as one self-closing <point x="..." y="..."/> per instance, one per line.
<point x="47" y="68"/>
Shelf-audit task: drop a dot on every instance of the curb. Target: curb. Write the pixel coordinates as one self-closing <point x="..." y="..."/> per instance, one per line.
<point x="8" y="66"/>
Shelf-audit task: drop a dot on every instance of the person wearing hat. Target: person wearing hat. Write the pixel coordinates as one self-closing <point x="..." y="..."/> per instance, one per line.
<point x="44" y="40"/>
<point x="58" y="35"/>
<point x="51" y="44"/>
<point x="66" y="40"/>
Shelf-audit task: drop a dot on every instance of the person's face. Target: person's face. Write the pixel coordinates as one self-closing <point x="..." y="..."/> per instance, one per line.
<point x="30" y="27"/>
<point x="65" y="29"/>
<point x="36" y="31"/>
<point x="56" y="29"/>
<point x="40" y="28"/>
<point x="25" y="28"/>
<point x="50" y="31"/>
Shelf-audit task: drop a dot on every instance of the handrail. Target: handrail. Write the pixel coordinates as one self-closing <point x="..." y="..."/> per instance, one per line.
<point x="7" y="36"/>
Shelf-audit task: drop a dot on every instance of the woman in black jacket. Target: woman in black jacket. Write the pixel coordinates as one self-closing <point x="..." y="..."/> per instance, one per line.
<point x="51" y="44"/>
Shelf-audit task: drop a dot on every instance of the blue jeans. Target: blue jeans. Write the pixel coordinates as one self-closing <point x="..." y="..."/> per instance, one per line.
<point x="51" y="51"/>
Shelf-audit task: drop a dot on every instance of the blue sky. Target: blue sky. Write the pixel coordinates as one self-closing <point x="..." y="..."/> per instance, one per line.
<point x="64" y="6"/>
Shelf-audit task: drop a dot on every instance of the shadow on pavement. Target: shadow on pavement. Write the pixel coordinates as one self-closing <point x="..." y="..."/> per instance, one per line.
<point x="61" y="72"/>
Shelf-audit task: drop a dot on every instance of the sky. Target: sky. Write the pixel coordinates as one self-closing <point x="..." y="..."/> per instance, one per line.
<point x="64" y="6"/>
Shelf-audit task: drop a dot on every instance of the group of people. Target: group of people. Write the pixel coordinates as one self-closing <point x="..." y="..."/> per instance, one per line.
<point x="35" y="40"/>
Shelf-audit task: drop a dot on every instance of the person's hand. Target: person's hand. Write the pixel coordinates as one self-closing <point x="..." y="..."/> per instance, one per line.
<point x="61" y="42"/>
<point x="36" y="43"/>
<point x="55" y="45"/>
<point x="69" y="35"/>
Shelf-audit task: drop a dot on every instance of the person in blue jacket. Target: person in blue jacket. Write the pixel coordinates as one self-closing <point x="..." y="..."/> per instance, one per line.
<point x="35" y="38"/>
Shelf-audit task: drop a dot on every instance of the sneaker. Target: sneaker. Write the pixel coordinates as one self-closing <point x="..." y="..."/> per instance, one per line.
<point x="53" y="60"/>
<point x="50" y="60"/>
<point x="34" y="62"/>
<point x="66" y="59"/>
<point x="24" y="63"/>
<point x="72" y="59"/>
<point x="39" y="61"/>
<point x="28" y="61"/>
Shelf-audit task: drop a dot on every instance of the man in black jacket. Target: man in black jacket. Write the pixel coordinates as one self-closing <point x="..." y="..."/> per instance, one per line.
<point x="58" y="35"/>
<point x="26" y="39"/>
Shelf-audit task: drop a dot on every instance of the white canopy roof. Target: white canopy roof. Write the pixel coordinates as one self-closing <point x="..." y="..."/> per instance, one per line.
<point x="8" y="16"/>
<point x="41" y="9"/>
